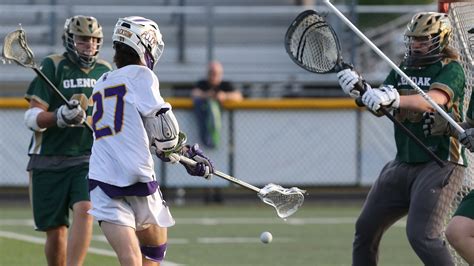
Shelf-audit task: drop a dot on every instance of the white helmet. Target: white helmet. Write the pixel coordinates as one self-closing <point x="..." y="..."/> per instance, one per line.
<point x="143" y="36"/>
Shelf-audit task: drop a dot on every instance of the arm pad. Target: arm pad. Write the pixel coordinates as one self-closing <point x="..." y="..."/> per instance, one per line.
<point x="31" y="116"/>
<point x="162" y="129"/>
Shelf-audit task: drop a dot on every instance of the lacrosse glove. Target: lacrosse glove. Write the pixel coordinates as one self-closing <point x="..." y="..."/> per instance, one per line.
<point x="386" y="96"/>
<point x="204" y="166"/>
<point x="69" y="115"/>
<point x="347" y="80"/>
<point x="435" y="125"/>
<point x="467" y="139"/>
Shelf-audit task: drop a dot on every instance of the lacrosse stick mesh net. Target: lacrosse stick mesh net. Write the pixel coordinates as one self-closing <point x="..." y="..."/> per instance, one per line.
<point x="286" y="201"/>
<point x="16" y="48"/>
<point x="312" y="44"/>
<point x="461" y="182"/>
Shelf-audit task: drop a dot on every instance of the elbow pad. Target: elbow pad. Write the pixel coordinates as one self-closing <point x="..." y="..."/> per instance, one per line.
<point x="162" y="129"/>
<point x="31" y="117"/>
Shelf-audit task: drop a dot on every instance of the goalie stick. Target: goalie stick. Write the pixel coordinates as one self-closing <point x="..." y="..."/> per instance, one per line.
<point x="313" y="45"/>
<point x="15" y="48"/>
<point x="286" y="201"/>
<point x="394" y="67"/>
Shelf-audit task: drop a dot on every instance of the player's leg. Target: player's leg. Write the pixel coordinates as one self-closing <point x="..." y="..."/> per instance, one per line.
<point x="153" y="244"/>
<point x="80" y="233"/>
<point x="152" y="217"/>
<point x="55" y="245"/>
<point x="124" y="242"/>
<point x="117" y="221"/>
<point x="383" y="206"/>
<point x="430" y="189"/>
<point x="460" y="230"/>
<point x="50" y="212"/>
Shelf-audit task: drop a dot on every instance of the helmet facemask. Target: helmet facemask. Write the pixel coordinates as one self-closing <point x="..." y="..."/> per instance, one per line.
<point x="82" y="39"/>
<point x="426" y="37"/>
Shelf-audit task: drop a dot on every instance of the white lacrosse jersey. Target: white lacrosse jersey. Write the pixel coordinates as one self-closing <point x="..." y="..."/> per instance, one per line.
<point x="120" y="153"/>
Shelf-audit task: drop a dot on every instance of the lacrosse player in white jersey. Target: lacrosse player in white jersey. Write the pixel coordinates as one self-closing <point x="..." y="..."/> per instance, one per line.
<point x="131" y="121"/>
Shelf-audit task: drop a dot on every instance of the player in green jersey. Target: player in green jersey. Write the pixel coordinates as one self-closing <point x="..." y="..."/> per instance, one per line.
<point x="413" y="184"/>
<point x="60" y="147"/>
<point x="460" y="230"/>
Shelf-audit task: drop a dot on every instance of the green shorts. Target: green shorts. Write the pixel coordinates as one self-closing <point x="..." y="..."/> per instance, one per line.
<point x="466" y="207"/>
<point x="54" y="192"/>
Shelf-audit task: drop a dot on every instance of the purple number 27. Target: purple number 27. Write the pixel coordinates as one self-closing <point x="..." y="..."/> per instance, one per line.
<point x="118" y="92"/>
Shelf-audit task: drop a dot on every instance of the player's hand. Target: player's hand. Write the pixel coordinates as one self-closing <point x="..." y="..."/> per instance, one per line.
<point x="435" y="125"/>
<point x="386" y="96"/>
<point x="70" y="114"/>
<point x="171" y="155"/>
<point x="204" y="166"/>
<point x="347" y="80"/>
<point x="165" y="157"/>
<point x="467" y="139"/>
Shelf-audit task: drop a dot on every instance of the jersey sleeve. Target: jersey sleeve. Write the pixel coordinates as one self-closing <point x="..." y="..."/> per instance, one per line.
<point x="451" y="80"/>
<point x="39" y="90"/>
<point x="147" y="93"/>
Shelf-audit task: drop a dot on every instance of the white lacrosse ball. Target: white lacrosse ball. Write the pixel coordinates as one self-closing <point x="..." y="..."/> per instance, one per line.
<point x="266" y="237"/>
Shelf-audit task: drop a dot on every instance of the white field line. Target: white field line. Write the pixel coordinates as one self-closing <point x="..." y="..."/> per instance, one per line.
<point x="40" y="240"/>
<point x="206" y="240"/>
<point x="237" y="221"/>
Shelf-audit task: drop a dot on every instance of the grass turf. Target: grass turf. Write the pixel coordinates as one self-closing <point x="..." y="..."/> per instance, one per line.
<point x="318" y="234"/>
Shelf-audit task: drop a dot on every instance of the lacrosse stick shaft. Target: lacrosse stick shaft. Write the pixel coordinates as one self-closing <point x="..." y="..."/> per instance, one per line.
<point x="43" y="76"/>
<point x="413" y="137"/>
<point x="399" y="124"/>
<point x="227" y="177"/>
<point x="394" y="66"/>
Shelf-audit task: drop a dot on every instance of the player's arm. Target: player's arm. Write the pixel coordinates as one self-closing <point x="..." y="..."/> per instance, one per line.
<point x="37" y="117"/>
<point x="168" y="143"/>
<point x="419" y="104"/>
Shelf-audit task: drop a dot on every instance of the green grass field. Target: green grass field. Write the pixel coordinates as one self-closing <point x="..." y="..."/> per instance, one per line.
<point x="318" y="234"/>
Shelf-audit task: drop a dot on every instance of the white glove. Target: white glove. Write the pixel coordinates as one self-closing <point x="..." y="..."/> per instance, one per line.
<point x="347" y="80"/>
<point x="386" y="96"/>
<point x="70" y="117"/>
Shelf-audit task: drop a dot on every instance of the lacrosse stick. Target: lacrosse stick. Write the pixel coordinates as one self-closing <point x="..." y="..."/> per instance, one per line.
<point x="286" y="201"/>
<point x="394" y="67"/>
<point x="313" y="45"/>
<point x="15" y="48"/>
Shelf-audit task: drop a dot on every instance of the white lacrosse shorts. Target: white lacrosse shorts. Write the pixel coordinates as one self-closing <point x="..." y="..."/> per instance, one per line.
<point x="131" y="211"/>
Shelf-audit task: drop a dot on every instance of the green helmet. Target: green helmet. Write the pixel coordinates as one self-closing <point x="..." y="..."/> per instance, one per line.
<point x="429" y="29"/>
<point x="82" y="26"/>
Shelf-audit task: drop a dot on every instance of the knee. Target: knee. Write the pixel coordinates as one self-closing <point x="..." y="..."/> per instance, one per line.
<point x="364" y="226"/>
<point x="57" y="234"/>
<point x="154" y="253"/>
<point x="82" y="207"/>
<point x="454" y="234"/>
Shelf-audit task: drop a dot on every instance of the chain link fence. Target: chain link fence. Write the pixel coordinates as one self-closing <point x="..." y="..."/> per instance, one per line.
<point x="321" y="145"/>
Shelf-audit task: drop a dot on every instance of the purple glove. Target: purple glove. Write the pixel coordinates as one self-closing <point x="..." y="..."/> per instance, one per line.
<point x="204" y="166"/>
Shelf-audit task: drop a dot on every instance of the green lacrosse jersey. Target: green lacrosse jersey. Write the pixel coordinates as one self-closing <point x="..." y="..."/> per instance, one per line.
<point x="470" y="110"/>
<point x="72" y="82"/>
<point x="446" y="75"/>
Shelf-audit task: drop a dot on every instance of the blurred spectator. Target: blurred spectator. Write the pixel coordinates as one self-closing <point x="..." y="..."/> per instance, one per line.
<point x="208" y="96"/>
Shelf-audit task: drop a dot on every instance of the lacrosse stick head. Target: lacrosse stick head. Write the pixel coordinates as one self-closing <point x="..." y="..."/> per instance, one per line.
<point x="312" y="43"/>
<point x="15" y="48"/>
<point x="286" y="201"/>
